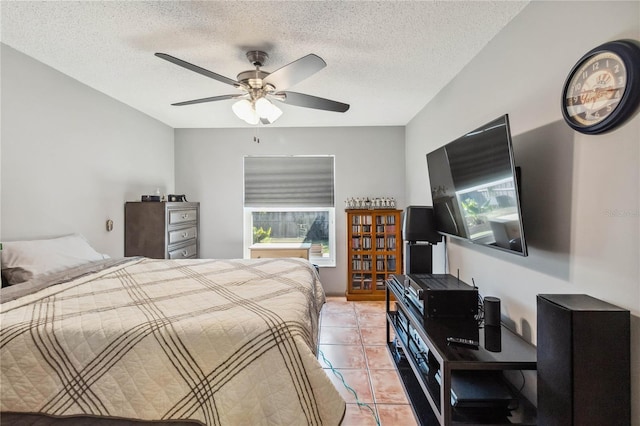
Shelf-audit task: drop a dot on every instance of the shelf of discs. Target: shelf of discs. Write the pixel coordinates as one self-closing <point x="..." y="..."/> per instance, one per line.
<point x="374" y="250"/>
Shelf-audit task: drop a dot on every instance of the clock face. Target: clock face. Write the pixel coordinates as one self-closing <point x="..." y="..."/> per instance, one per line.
<point x="595" y="89"/>
<point x="602" y="90"/>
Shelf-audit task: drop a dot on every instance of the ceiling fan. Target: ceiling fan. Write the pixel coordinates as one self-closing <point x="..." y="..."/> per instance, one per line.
<point x="258" y="87"/>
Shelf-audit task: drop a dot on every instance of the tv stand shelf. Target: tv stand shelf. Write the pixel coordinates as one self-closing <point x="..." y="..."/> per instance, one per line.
<point x="428" y="365"/>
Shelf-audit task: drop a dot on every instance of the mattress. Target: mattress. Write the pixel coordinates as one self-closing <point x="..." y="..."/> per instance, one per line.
<point x="215" y="342"/>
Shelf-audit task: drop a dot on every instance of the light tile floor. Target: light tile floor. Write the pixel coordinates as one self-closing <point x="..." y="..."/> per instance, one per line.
<point x="353" y="340"/>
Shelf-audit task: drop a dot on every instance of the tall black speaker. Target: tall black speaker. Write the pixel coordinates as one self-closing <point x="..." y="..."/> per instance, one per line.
<point x="418" y="259"/>
<point x="419" y="233"/>
<point x="583" y="361"/>
<point x="418" y="224"/>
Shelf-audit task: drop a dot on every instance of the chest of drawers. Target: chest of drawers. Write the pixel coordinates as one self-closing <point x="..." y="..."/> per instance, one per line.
<point x="162" y="230"/>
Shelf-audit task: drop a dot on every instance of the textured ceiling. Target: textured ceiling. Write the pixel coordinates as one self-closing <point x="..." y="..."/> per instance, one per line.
<point x="386" y="59"/>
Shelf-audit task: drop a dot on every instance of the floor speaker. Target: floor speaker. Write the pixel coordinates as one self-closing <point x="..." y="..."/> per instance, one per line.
<point x="418" y="258"/>
<point x="418" y="224"/>
<point x="583" y="361"/>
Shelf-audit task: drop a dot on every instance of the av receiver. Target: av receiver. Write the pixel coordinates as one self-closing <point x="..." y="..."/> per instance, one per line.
<point x="439" y="295"/>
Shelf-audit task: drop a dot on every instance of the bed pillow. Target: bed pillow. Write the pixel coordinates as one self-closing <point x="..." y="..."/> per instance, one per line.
<point x="22" y="260"/>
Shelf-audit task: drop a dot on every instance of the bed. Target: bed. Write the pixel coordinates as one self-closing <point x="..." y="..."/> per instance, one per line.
<point x="134" y="340"/>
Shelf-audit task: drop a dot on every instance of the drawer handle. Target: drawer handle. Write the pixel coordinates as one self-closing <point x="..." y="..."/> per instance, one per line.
<point x="185" y="253"/>
<point x="185" y="215"/>
<point x="185" y="235"/>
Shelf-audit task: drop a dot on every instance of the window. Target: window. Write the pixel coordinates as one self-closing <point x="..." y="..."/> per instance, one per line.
<point x="291" y="200"/>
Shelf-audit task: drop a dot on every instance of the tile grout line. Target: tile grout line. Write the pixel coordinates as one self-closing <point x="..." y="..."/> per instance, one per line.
<point x="368" y="367"/>
<point x="352" y="309"/>
<point x="369" y="313"/>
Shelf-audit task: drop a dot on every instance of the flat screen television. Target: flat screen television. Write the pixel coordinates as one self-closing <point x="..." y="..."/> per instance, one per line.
<point x="474" y="187"/>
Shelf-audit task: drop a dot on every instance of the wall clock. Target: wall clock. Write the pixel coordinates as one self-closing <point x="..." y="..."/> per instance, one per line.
<point x="602" y="90"/>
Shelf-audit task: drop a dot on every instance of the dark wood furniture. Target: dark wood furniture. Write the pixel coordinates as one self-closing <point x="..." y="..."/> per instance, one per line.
<point x="428" y="364"/>
<point x="584" y="361"/>
<point x="374" y="251"/>
<point x="162" y="230"/>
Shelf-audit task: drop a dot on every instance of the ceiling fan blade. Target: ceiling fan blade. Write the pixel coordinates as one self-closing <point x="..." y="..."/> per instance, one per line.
<point x="199" y="70"/>
<point x="308" y="101"/>
<point x="295" y="72"/>
<point x="211" y="99"/>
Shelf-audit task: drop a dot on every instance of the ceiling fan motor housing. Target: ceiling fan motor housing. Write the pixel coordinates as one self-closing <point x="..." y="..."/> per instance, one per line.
<point x="257" y="57"/>
<point x="253" y="78"/>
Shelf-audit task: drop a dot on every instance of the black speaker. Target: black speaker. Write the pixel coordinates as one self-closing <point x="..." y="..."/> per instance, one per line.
<point x="583" y="361"/>
<point x="418" y="259"/>
<point x="492" y="338"/>
<point x="491" y="311"/>
<point x="418" y="224"/>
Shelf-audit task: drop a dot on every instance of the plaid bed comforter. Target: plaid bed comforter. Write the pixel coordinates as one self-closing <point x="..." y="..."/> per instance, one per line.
<point x="223" y="342"/>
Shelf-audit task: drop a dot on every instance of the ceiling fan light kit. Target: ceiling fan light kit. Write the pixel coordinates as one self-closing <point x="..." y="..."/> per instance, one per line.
<point x="267" y="110"/>
<point x="254" y="112"/>
<point x="244" y="111"/>
<point x="262" y="87"/>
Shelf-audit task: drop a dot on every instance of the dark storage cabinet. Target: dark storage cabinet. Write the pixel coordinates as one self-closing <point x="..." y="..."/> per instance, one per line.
<point x="583" y="361"/>
<point x="431" y="369"/>
<point x="162" y="230"/>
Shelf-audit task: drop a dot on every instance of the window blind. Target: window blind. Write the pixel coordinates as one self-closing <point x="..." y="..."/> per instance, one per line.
<point x="274" y="181"/>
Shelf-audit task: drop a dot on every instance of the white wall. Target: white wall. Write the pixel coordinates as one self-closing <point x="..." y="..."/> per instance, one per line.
<point x="71" y="156"/>
<point x="369" y="161"/>
<point x="580" y="194"/>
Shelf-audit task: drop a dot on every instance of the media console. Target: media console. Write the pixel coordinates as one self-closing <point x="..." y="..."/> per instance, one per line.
<point x="453" y="368"/>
